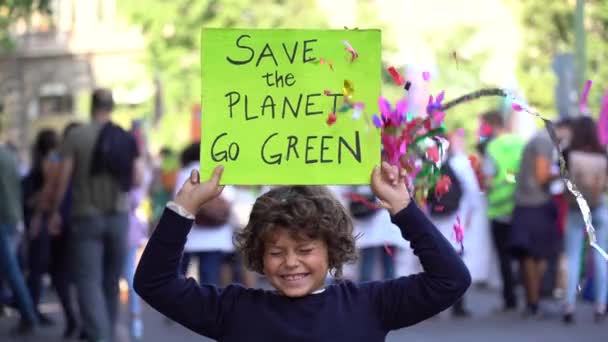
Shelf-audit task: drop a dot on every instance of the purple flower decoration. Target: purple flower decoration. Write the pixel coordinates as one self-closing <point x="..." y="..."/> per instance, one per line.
<point x="434" y="105"/>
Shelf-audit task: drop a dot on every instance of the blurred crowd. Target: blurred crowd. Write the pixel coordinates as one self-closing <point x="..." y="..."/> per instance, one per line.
<point x="82" y="209"/>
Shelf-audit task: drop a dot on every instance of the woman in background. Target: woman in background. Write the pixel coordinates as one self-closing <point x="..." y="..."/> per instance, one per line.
<point x="588" y="167"/>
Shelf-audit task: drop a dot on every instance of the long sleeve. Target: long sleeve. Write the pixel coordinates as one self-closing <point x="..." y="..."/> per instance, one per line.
<point x="201" y="308"/>
<point x="408" y="300"/>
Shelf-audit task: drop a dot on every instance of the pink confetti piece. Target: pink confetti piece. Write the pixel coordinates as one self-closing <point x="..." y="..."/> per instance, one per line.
<point x="460" y="132"/>
<point x="584" y="96"/>
<point x="387" y="249"/>
<point x="353" y="53"/>
<point x="327" y="92"/>
<point x="426" y="75"/>
<point x="385" y="107"/>
<point x="433" y="154"/>
<point x="516" y="107"/>
<point x="399" y="80"/>
<point x="438" y="118"/>
<point x="459" y="234"/>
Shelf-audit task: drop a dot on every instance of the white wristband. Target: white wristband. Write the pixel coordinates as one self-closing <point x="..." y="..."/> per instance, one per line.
<point x="181" y="211"/>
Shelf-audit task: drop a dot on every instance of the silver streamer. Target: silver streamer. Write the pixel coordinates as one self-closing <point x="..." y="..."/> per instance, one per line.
<point x="582" y="203"/>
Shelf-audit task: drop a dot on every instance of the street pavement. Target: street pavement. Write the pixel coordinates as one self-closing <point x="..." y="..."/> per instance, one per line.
<point x="486" y="324"/>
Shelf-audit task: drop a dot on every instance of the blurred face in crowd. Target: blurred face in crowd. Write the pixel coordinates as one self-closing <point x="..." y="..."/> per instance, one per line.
<point x="294" y="266"/>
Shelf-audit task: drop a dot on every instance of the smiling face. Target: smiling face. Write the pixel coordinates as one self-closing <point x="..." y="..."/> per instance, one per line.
<point x="295" y="267"/>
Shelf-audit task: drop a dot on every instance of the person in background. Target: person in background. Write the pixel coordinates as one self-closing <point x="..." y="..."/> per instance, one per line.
<point x="163" y="184"/>
<point x="137" y="235"/>
<point x="100" y="160"/>
<point x="499" y="166"/>
<point x="554" y="282"/>
<point x="138" y="232"/>
<point x="38" y="235"/>
<point x="58" y="246"/>
<point x="209" y="244"/>
<point x="535" y="238"/>
<point x="11" y="219"/>
<point x="244" y="198"/>
<point x="467" y="201"/>
<point x="587" y="165"/>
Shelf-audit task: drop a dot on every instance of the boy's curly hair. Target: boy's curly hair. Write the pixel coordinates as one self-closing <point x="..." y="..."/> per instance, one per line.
<point x="304" y="211"/>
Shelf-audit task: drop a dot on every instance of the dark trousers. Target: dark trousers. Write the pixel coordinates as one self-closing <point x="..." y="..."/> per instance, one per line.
<point x="500" y="235"/>
<point x="49" y="254"/>
<point x="368" y="261"/>
<point x="209" y="265"/>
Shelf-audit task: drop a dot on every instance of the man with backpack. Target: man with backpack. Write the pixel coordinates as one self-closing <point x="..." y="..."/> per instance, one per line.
<point x="99" y="159"/>
<point x="459" y="203"/>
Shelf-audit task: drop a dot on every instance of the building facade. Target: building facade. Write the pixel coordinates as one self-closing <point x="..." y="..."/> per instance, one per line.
<point x="46" y="80"/>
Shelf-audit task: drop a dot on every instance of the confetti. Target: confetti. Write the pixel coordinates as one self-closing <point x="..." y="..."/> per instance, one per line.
<point x="459" y="234"/>
<point x="330" y="63"/>
<point x="442" y="186"/>
<point x="331" y="119"/>
<point x="435" y="104"/>
<point x="584" y="96"/>
<point x="516" y="107"/>
<point x="455" y="58"/>
<point x="387" y="249"/>
<point x="348" y="88"/>
<point x="376" y="120"/>
<point x="433" y="154"/>
<point x="408" y="84"/>
<point x="426" y="75"/>
<point x="399" y="80"/>
<point x="351" y="50"/>
<point x="358" y="109"/>
<point x="327" y="92"/>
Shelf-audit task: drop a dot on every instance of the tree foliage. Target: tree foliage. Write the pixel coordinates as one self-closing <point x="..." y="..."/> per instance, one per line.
<point x="12" y="11"/>
<point x="172" y="31"/>
<point x="549" y="29"/>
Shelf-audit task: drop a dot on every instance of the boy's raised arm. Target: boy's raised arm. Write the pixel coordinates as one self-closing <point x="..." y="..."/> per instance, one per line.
<point x="408" y="300"/>
<point x="201" y="308"/>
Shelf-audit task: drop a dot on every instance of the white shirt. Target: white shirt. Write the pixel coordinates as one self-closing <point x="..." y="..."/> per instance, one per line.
<point x="375" y="231"/>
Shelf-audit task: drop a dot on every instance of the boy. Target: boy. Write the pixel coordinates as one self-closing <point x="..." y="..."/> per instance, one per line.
<point x="294" y="237"/>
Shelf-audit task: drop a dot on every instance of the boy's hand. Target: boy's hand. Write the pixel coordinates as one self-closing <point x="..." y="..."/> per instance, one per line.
<point x="193" y="194"/>
<point x="389" y="186"/>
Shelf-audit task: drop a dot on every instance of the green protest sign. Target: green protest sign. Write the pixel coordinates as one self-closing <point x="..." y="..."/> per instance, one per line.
<point x="267" y="96"/>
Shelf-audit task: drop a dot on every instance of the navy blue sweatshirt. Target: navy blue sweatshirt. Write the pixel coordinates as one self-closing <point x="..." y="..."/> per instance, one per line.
<point x="343" y="312"/>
